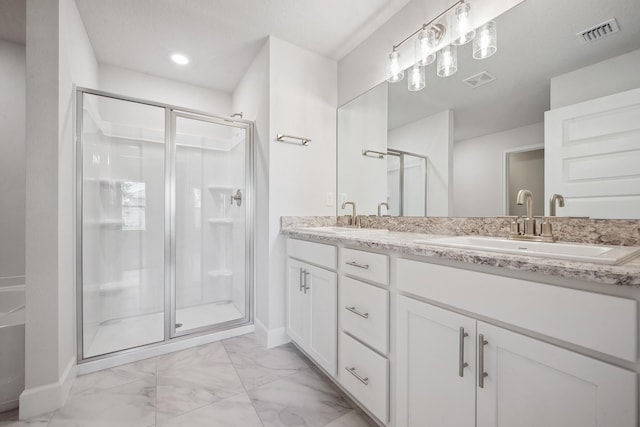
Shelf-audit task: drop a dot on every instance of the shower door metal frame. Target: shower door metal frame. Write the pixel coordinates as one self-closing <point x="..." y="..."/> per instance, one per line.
<point x="170" y="111"/>
<point x="400" y="155"/>
<point x="174" y="114"/>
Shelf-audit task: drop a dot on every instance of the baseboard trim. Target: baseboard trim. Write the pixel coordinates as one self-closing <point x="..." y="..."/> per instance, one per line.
<point x="7" y="406"/>
<point x="271" y="338"/>
<point x="49" y="397"/>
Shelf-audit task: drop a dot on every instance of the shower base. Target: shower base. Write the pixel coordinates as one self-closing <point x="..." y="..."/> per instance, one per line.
<point x="135" y="331"/>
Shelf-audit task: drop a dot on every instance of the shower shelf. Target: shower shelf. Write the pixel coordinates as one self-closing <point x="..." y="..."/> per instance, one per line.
<point x="220" y="273"/>
<point x="225" y="221"/>
<point x="220" y="188"/>
<point x="105" y="223"/>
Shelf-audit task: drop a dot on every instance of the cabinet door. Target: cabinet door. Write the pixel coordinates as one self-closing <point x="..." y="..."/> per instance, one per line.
<point x="296" y="299"/>
<point x="322" y="295"/>
<point x="429" y="388"/>
<point x="534" y="384"/>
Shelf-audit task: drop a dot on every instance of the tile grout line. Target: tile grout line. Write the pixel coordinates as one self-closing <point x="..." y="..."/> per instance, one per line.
<point x="246" y="392"/>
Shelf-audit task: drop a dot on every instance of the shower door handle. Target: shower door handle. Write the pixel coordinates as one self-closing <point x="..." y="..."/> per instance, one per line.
<point x="237" y="197"/>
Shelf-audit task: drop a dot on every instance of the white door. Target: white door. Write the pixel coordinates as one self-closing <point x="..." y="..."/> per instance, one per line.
<point x="322" y="294"/>
<point x="592" y="156"/>
<point x="433" y="385"/>
<point x="534" y="384"/>
<point x="296" y="301"/>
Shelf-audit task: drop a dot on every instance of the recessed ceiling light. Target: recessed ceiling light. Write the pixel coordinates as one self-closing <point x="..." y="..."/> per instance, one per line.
<point x="179" y="59"/>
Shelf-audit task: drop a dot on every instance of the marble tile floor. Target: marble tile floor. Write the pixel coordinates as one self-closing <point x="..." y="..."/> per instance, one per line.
<point x="231" y="383"/>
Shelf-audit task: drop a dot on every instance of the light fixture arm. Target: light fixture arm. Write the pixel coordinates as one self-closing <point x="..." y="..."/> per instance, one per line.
<point x="426" y="25"/>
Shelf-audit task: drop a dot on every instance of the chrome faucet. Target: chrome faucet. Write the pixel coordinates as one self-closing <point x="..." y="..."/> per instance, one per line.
<point x="525" y="196"/>
<point x="552" y="203"/>
<point x="530" y="231"/>
<point x="380" y="205"/>
<point x="354" y="215"/>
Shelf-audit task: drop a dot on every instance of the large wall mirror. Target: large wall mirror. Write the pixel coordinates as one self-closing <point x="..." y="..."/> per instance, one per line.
<point x="549" y="112"/>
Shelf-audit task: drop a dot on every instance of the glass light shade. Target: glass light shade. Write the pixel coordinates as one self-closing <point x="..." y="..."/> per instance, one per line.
<point x="395" y="73"/>
<point x="416" y="80"/>
<point x="447" y="61"/>
<point x="486" y="44"/>
<point x="462" y="25"/>
<point x="426" y="42"/>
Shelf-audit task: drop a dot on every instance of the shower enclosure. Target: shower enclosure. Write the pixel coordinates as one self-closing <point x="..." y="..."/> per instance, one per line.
<point x="164" y="223"/>
<point x="406" y="183"/>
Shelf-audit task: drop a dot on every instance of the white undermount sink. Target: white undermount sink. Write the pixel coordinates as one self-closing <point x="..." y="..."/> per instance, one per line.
<point x="345" y="230"/>
<point x="570" y="251"/>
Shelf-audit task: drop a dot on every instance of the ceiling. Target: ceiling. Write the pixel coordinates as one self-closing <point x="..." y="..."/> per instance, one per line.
<point x="221" y="37"/>
<point x="13" y="20"/>
<point x="536" y="41"/>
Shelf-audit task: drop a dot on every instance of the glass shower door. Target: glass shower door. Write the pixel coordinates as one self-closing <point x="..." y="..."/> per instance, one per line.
<point x="121" y="181"/>
<point x="209" y="283"/>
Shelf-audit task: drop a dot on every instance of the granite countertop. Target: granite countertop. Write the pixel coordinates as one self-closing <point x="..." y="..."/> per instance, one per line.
<point x="625" y="274"/>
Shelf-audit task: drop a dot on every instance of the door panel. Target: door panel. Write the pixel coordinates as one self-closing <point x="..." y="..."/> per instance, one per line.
<point x="534" y="384"/>
<point x="592" y="153"/>
<point x="430" y="391"/>
<point x="210" y="222"/>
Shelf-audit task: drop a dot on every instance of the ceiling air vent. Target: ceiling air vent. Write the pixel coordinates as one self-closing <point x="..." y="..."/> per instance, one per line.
<point x="599" y="31"/>
<point x="479" y="79"/>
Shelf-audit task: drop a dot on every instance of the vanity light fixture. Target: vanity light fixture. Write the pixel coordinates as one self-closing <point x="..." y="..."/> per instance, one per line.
<point x="447" y="61"/>
<point x="396" y="72"/>
<point x="416" y="79"/>
<point x="486" y="44"/>
<point x="179" y="59"/>
<point x="462" y="25"/>
<point x="429" y="37"/>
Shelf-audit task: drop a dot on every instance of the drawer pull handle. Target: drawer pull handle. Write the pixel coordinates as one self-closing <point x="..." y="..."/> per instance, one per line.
<point x="481" y="373"/>
<point x="461" y="363"/>
<point x="353" y="372"/>
<point x="302" y="273"/>
<point x="306" y="286"/>
<point x="359" y="313"/>
<point x="355" y="264"/>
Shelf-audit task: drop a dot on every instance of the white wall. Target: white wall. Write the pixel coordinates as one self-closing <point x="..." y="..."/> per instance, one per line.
<point x="478" y="181"/>
<point x="362" y="125"/>
<point x="12" y="163"/>
<point x="604" y="78"/>
<point x="252" y="98"/>
<point x="431" y="137"/>
<point x="59" y="54"/>
<point x="299" y="98"/>
<point x="364" y="66"/>
<point x="139" y="85"/>
<point x="303" y="102"/>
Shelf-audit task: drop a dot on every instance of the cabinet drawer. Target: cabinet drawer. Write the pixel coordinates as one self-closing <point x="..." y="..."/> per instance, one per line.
<point x="315" y="253"/>
<point x="365" y="374"/>
<point x="365" y="312"/>
<point x="366" y="265"/>
<point x="600" y="322"/>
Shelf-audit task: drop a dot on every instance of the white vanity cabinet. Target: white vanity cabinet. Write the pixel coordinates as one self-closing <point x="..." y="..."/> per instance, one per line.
<point x="453" y="369"/>
<point x="312" y="298"/>
<point x="364" y="329"/>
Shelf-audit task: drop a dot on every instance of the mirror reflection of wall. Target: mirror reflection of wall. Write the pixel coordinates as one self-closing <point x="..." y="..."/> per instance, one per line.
<point x="533" y="73"/>
<point x="525" y="170"/>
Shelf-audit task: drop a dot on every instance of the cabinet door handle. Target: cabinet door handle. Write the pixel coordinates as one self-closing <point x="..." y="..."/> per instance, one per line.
<point x="353" y="372"/>
<point x="481" y="373"/>
<point x="301" y="282"/>
<point x="461" y="363"/>
<point x="306" y="286"/>
<point x="355" y="264"/>
<point x="359" y="313"/>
